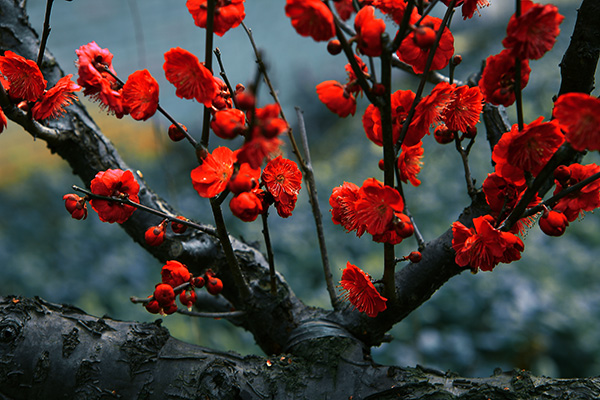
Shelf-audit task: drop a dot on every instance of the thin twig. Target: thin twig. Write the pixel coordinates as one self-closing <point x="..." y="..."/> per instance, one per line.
<point x="518" y="96"/>
<point x="126" y="201"/>
<point x="311" y="186"/>
<point x="263" y="71"/>
<point x="465" y="161"/>
<point x="227" y="314"/>
<point x="270" y="256"/>
<point x="224" y="76"/>
<point x="17" y="115"/>
<point x="208" y="50"/>
<point x="232" y="262"/>
<point x="45" y="33"/>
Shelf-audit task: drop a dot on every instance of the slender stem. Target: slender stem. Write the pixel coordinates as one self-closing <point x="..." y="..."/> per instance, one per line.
<point x="563" y="153"/>
<point x="234" y="266"/>
<point x="263" y="71"/>
<point x="309" y="179"/>
<point x="402" y="31"/>
<point x="45" y="33"/>
<point x="563" y="193"/>
<point x="224" y="76"/>
<point x="189" y="138"/>
<point x="142" y="207"/>
<point x="518" y="95"/>
<point x="465" y="160"/>
<point x="421" y="87"/>
<point x="208" y="51"/>
<point x="270" y="255"/>
<point x="227" y="314"/>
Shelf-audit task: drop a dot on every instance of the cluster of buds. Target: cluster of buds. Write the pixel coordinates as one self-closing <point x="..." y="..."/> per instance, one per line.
<point x="155" y="235"/>
<point x="76" y="205"/>
<point x="177" y="281"/>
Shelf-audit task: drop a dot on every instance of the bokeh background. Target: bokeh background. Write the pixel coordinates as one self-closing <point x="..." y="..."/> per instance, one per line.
<point x="542" y="313"/>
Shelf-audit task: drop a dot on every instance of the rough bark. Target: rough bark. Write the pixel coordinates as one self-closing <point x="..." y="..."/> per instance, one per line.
<point x="51" y="351"/>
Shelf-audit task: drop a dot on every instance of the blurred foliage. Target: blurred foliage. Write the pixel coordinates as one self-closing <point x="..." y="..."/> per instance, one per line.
<point x="541" y="313"/>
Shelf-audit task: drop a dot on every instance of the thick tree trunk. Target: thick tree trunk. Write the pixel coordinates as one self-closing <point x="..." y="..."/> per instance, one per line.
<point x="50" y="351"/>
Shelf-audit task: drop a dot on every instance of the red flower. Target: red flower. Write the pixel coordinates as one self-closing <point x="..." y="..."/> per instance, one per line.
<point x="114" y="183"/>
<point x="311" y="18"/>
<point x="214" y="285"/>
<point x="344" y="9"/>
<point x="343" y="202"/>
<point x="75" y="205"/>
<point x="469" y="6"/>
<point x="268" y="122"/>
<point x="409" y="163"/>
<point x="25" y="78"/>
<point x="395" y="9"/>
<point x="377" y="205"/>
<point x="228" y="14"/>
<point x="175" y="134"/>
<point x="553" y="223"/>
<point x="579" y="115"/>
<point x="526" y="150"/>
<point x="360" y="291"/>
<point x="282" y="179"/>
<point x="164" y="294"/>
<point x="188" y="298"/>
<point x="257" y="148"/>
<point x="337" y="98"/>
<point x="244" y="180"/>
<point x="140" y="95"/>
<point x="228" y="123"/>
<point x="174" y="273"/>
<point x="95" y="80"/>
<point x="177" y="227"/>
<point x="416" y="56"/>
<point x="368" y="32"/>
<point x="497" y="82"/>
<point x="429" y="111"/>
<point x="223" y="99"/>
<point x="53" y="102"/>
<point x="192" y="79"/>
<point x="464" y="108"/>
<point x="483" y="246"/>
<point x="532" y="34"/>
<point x="210" y="178"/>
<point x="401" y="103"/>
<point x="585" y="199"/>
<point x="246" y="206"/>
<point x="155" y="235"/>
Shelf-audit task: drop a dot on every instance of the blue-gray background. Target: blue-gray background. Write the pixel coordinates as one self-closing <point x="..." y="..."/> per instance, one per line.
<point x="541" y="313"/>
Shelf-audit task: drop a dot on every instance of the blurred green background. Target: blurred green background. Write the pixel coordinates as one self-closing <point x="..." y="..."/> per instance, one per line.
<point x="542" y="313"/>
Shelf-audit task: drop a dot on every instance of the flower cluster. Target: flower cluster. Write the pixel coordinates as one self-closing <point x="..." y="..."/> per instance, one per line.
<point x="280" y="183"/>
<point x="177" y="281"/>
<point x="114" y="183"/>
<point x="373" y="208"/>
<point x="23" y="81"/>
<point x="528" y="37"/>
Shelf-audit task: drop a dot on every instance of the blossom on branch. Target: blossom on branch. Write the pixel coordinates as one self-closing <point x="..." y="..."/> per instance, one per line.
<point x="377" y="205"/>
<point x="483" y="246"/>
<point x="24" y="76"/>
<point x="532" y="34"/>
<point x="410" y="163"/>
<point x="395" y="9"/>
<point x="96" y="77"/>
<point x="228" y="123"/>
<point x="53" y="102"/>
<point x="311" y="18"/>
<point x="585" y="199"/>
<point x="469" y="7"/>
<point x="191" y="79"/>
<point x="343" y="212"/>
<point x="246" y="205"/>
<point x="228" y="14"/>
<point x="174" y="273"/>
<point x="361" y="292"/>
<point x="283" y="180"/>
<point x="368" y="32"/>
<point x="463" y="109"/>
<point x="211" y="178"/>
<point x="526" y="150"/>
<point x="414" y="54"/>
<point x="337" y="99"/>
<point x="579" y="116"/>
<point x="114" y="183"/>
<point x="498" y="80"/>
<point x="140" y="95"/>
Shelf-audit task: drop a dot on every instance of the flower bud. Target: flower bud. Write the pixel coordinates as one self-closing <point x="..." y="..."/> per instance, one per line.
<point x="75" y="205"/>
<point x="152" y="307"/>
<point x="334" y="47"/>
<point x="188" y="298"/>
<point x="164" y="294"/>
<point x="562" y="174"/>
<point x="198" y="282"/>
<point x="155" y="235"/>
<point x="176" y="227"/>
<point x="175" y="134"/>
<point x="402" y="225"/>
<point x="214" y="285"/>
<point x="553" y="223"/>
<point x="414" y="257"/>
<point x="443" y="135"/>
